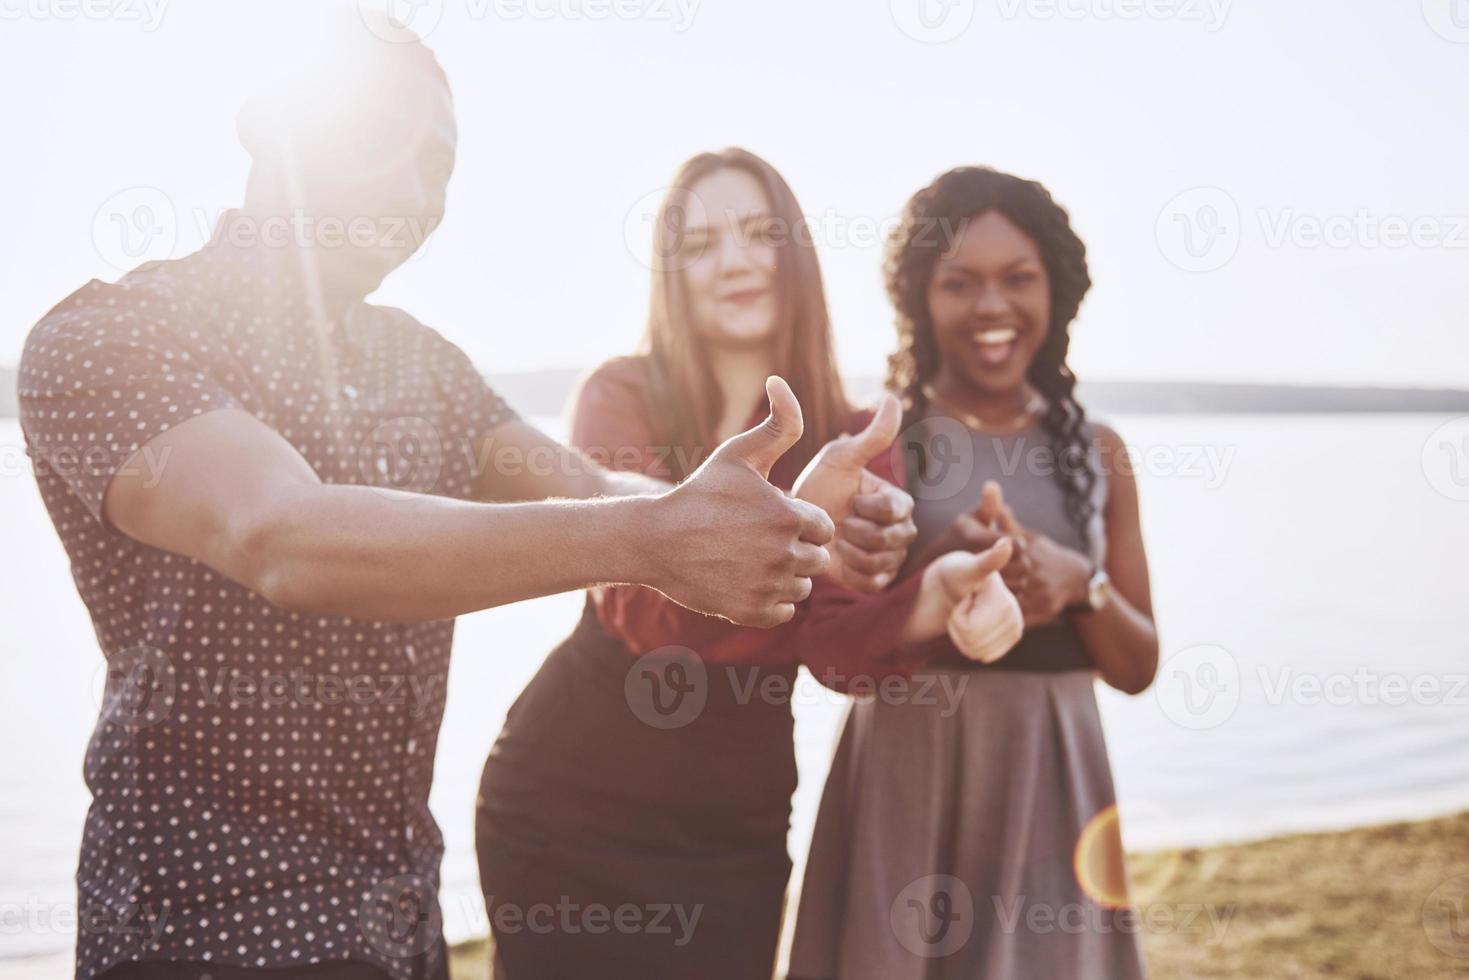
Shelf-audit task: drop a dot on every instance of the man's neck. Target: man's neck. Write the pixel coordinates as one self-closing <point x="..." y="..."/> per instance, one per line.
<point x="266" y="232"/>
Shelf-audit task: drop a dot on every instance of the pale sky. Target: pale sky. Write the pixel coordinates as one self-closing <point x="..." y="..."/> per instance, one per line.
<point x="1340" y="116"/>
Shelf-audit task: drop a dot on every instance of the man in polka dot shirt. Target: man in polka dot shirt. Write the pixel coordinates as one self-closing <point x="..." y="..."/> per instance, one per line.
<point x="275" y="498"/>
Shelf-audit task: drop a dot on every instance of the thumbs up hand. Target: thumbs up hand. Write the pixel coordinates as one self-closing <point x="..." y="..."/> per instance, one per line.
<point x="730" y="544"/>
<point x="962" y="594"/>
<point x="874" y="519"/>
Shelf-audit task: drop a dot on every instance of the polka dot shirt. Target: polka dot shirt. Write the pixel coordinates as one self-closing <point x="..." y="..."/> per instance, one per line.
<point x="260" y="778"/>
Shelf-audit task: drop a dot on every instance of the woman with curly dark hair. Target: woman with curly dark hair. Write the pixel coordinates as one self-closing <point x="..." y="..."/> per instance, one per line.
<point x="978" y="838"/>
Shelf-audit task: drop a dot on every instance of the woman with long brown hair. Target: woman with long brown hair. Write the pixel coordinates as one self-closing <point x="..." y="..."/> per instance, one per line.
<point x="983" y="841"/>
<point x="633" y="813"/>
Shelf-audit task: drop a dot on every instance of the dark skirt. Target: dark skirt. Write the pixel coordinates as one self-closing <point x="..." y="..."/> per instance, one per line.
<point x="615" y="843"/>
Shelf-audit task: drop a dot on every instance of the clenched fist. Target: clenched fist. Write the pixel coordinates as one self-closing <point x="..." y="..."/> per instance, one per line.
<point x="873" y="518"/>
<point x="963" y="595"/>
<point x="729" y="543"/>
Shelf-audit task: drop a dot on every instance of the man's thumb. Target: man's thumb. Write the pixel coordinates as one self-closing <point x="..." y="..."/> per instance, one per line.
<point x="769" y="441"/>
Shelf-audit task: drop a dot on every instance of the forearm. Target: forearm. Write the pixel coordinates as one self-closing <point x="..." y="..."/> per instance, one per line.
<point x="613" y="483"/>
<point x="846" y="637"/>
<point x="520" y="463"/>
<point x="1123" y="643"/>
<point x="375" y="554"/>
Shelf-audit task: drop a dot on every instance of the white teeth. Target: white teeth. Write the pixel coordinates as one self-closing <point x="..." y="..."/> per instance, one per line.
<point x="1002" y="336"/>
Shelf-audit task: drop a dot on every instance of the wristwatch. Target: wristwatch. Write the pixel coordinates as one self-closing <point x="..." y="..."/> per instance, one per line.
<point x="1098" y="592"/>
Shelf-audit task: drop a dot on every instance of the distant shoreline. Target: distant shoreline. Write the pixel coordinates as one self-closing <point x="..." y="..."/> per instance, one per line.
<point x="547" y="393"/>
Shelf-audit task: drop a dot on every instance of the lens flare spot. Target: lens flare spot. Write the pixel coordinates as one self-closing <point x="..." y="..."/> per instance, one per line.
<point x="1107" y="877"/>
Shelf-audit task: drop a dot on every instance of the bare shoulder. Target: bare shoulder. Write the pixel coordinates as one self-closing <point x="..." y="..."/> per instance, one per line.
<point x="1107" y="438"/>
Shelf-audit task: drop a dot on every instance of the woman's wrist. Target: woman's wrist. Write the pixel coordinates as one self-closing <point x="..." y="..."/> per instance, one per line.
<point x="1083" y="569"/>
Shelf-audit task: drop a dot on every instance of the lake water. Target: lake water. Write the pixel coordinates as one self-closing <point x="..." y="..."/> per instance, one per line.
<point x="1310" y="588"/>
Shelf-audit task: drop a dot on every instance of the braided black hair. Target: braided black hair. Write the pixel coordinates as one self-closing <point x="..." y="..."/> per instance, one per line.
<point x="913" y="250"/>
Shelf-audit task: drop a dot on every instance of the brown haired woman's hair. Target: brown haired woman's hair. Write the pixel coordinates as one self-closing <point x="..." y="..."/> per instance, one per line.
<point x="912" y="253"/>
<point x="684" y="401"/>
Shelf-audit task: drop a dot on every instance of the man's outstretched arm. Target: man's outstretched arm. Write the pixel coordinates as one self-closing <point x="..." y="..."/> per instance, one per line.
<point x="237" y="496"/>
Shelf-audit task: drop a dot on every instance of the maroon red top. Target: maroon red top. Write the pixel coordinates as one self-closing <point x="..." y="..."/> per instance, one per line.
<point x="837" y="633"/>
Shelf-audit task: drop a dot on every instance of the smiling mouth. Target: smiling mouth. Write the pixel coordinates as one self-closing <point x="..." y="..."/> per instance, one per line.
<point x="744" y="297"/>
<point x="995" y="347"/>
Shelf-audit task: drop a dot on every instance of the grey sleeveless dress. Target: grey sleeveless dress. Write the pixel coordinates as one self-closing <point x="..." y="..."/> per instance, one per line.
<point x="952" y="826"/>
